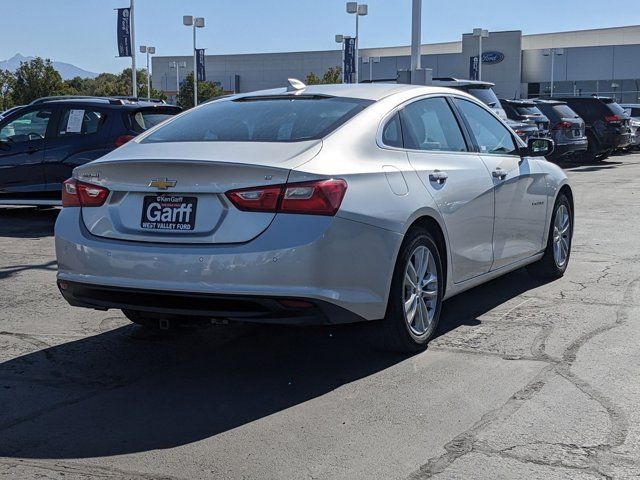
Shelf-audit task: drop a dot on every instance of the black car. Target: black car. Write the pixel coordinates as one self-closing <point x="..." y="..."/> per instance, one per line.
<point x="608" y="125"/>
<point x="41" y="143"/>
<point x="527" y="112"/>
<point x="567" y="129"/>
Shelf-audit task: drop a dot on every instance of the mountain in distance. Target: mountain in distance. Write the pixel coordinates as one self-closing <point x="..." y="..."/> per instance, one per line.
<point x="66" y="70"/>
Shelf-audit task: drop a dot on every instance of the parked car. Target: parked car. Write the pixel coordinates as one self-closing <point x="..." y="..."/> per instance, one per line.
<point x="323" y="204"/>
<point x="483" y="91"/>
<point x="568" y="130"/>
<point x="524" y="130"/>
<point x="607" y="125"/>
<point x="41" y="143"/>
<point x="633" y="110"/>
<point x="526" y="112"/>
<point x="9" y="111"/>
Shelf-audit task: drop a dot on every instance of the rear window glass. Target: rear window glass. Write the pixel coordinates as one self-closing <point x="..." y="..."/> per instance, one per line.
<point x="485" y="95"/>
<point x="144" y="120"/>
<point x="266" y="119"/>
<point x="565" y="111"/>
<point x="529" y="111"/>
<point x="616" y="108"/>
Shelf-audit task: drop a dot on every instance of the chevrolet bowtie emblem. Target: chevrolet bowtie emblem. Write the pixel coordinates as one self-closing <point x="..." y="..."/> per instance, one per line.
<point x="162" y="184"/>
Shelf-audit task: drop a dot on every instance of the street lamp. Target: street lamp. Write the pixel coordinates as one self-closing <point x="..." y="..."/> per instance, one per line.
<point x="360" y="10"/>
<point x="480" y="34"/>
<point x="195" y="22"/>
<point x="371" y="61"/>
<point x="552" y="52"/>
<point x="148" y="51"/>
<point x="341" y="39"/>
<point x="177" y="66"/>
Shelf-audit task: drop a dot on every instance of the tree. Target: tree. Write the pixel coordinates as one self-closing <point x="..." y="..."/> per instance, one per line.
<point x="333" y="75"/>
<point x="206" y="90"/>
<point x="36" y="78"/>
<point x="6" y="86"/>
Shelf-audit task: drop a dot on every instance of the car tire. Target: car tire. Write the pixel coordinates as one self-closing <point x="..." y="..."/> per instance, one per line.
<point x="591" y="155"/>
<point x="554" y="263"/>
<point x="410" y="332"/>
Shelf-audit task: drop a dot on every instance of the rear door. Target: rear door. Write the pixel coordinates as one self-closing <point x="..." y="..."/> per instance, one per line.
<point x="457" y="180"/>
<point x="22" y="144"/>
<point x="80" y="136"/>
<point x="519" y="187"/>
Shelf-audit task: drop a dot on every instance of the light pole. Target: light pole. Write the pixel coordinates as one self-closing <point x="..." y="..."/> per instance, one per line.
<point x="416" y="34"/>
<point x="341" y="39"/>
<point x="552" y="52"/>
<point x="480" y="34"/>
<point x="177" y="65"/>
<point x="148" y="51"/>
<point x="196" y="22"/>
<point x="134" y="73"/>
<point x="360" y="10"/>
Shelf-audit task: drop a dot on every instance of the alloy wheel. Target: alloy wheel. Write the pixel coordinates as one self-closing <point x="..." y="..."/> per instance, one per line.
<point x="420" y="290"/>
<point x="561" y="235"/>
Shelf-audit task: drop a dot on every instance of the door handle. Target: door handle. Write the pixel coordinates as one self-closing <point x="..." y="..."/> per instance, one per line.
<point x="31" y="150"/>
<point x="438" y="176"/>
<point x="499" y="173"/>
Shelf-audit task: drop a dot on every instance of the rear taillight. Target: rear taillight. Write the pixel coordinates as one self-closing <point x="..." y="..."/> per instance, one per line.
<point x="80" y="194"/>
<point x="321" y="197"/>
<point x="122" y="139"/>
<point x="520" y="133"/>
<point x="562" y="125"/>
<point x="613" y="119"/>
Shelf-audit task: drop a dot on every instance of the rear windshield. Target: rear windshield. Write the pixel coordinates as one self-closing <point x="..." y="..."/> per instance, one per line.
<point x="528" y="110"/>
<point x="145" y="119"/>
<point x="485" y="95"/>
<point x="615" y="108"/>
<point x="265" y="119"/>
<point x="565" y="111"/>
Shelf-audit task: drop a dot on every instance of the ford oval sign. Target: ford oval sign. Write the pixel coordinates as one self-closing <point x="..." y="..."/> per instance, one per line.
<point x="491" y="58"/>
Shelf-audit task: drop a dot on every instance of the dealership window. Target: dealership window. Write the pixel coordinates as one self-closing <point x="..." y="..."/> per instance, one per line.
<point x="623" y="90"/>
<point x="80" y="121"/>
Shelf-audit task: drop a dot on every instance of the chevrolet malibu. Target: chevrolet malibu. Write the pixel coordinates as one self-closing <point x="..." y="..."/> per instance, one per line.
<point x="313" y="205"/>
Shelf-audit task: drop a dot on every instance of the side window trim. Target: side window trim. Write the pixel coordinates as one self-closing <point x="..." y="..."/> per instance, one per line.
<point x="464" y="126"/>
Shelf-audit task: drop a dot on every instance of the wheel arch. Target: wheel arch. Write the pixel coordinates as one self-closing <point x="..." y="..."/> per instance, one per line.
<point x="430" y="224"/>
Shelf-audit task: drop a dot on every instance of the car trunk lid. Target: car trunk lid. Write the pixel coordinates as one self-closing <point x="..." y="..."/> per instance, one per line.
<point x="175" y="193"/>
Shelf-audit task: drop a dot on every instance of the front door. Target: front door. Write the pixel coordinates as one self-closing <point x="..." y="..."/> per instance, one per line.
<point x="519" y="187"/>
<point x="456" y="178"/>
<point x="22" y="145"/>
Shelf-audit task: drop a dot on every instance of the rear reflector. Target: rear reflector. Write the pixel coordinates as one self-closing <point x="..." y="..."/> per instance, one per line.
<point x="80" y="194"/>
<point x="321" y="197"/>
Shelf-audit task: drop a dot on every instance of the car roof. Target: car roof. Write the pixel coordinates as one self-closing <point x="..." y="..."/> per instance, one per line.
<point x="365" y="91"/>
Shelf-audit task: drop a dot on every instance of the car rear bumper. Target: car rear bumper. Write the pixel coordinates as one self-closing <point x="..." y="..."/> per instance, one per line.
<point x="328" y="260"/>
<point x="569" y="149"/>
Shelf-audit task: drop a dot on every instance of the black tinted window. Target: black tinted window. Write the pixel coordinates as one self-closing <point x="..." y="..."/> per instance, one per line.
<point x="430" y="125"/>
<point x="529" y="111"/>
<point x="145" y="119"/>
<point x="486" y="96"/>
<point x="267" y="119"/>
<point x="392" y="133"/>
<point x="564" y="111"/>
<point x="490" y="134"/>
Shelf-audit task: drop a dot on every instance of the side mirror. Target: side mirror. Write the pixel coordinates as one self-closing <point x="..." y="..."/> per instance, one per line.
<point x="537" y="147"/>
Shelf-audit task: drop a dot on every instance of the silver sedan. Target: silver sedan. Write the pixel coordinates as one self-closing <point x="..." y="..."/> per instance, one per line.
<point x="305" y="205"/>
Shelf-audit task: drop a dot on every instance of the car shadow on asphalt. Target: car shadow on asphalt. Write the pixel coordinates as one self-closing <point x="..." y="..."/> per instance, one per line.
<point x="27" y="222"/>
<point x="127" y="390"/>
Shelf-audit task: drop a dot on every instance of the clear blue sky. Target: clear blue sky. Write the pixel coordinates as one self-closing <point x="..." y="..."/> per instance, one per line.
<point x="82" y="32"/>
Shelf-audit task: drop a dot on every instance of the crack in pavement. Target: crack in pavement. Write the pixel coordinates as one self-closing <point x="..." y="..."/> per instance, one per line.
<point x="467" y="441"/>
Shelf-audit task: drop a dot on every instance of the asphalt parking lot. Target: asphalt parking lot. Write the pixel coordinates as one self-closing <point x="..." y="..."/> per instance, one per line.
<point x="525" y="379"/>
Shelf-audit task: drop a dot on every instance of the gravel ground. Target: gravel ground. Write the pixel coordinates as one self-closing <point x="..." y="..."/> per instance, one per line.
<point x="525" y="379"/>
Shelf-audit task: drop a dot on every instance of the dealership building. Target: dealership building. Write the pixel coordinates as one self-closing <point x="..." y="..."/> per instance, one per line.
<point x="603" y="61"/>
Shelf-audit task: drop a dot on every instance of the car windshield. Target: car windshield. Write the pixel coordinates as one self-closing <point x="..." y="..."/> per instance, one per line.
<point x="565" y="111"/>
<point x="485" y="95"/>
<point x="261" y="119"/>
<point x="528" y="110"/>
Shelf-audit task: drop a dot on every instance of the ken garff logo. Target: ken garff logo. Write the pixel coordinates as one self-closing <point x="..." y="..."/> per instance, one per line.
<point x="492" y="58"/>
<point x="161" y="184"/>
